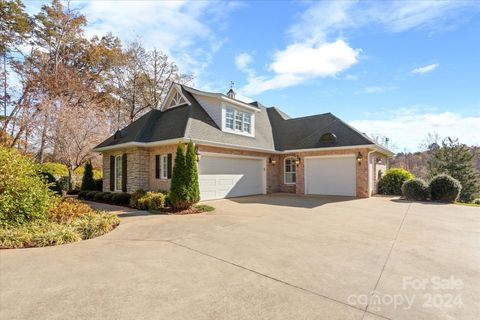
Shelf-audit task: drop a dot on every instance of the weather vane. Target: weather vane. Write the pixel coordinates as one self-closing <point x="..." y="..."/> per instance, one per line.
<point x="232" y="84"/>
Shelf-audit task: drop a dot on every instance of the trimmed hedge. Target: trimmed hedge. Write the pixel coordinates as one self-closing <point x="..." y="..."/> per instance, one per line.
<point x="135" y="197"/>
<point x="476" y="201"/>
<point x="83" y="194"/>
<point x="444" y="188"/>
<point x="122" y="199"/>
<point x="415" y="189"/>
<point x="107" y="196"/>
<point x="391" y="183"/>
<point x="90" y="195"/>
<point x="99" y="196"/>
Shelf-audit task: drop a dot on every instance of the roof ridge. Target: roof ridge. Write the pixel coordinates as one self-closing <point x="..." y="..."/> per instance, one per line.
<point x="318" y="130"/>
<point x="355" y="130"/>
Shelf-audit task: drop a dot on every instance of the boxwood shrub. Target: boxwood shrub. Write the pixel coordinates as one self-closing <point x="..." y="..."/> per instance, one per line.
<point x="444" y="188"/>
<point x="83" y="194"/>
<point x="107" y="196"/>
<point x="391" y="183"/>
<point x="99" y="196"/>
<point x="121" y="198"/>
<point x="415" y="189"/>
<point x="90" y="195"/>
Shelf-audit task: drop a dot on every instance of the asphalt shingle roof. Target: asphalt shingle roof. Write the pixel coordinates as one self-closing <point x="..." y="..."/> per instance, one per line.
<point x="274" y="130"/>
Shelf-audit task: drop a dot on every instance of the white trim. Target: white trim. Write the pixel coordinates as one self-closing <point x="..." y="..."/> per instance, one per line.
<point x="305" y="168"/>
<point x="235" y="146"/>
<point x="177" y="88"/>
<point x="227" y="155"/>
<point x="163" y="161"/>
<point x="285" y="173"/>
<point x="115" y="171"/>
<point x="223" y="97"/>
<point x="235" y="131"/>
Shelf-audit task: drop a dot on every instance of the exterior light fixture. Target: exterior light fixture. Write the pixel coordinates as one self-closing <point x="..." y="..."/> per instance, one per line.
<point x="272" y="161"/>
<point x="379" y="160"/>
<point x="297" y="160"/>
<point x="359" y="158"/>
<point x="197" y="153"/>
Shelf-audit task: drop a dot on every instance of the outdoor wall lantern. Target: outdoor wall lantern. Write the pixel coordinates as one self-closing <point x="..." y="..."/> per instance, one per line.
<point x="359" y="158"/>
<point x="272" y="161"/>
<point x="297" y="160"/>
<point x="197" y="153"/>
<point x="379" y="160"/>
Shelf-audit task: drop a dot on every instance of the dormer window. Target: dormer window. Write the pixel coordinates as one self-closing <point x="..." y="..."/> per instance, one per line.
<point x="177" y="100"/>
<point x="239" y="121"/>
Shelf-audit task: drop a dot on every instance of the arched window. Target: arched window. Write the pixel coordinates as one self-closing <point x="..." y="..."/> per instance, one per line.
<point x="290" y="171"/>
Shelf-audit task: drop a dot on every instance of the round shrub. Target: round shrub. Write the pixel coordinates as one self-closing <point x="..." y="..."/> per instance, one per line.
<point x="90" y="195"/>
<point x="99" y="196"/>
<point x="391" y="183"/>
<point x="24" y="195"/>
<point x="476" y="201"/>
<point x="157" y="201"/>
<point x="107" y="196"/>
<point x="135" y="197"/>
<point x="65" y="210"/>
<point x="444" y="188"/>
<point x="82" y="194"/>
<point x="415" y="189"/>
<point x="122" y="199"/>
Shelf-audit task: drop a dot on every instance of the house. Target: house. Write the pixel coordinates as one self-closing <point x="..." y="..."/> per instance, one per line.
<point x="243" y="149"/>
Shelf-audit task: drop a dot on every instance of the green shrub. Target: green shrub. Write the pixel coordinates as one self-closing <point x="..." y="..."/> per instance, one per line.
<point x="95" y="224"/>
<point x="121" y="199"/>
<point x="476" y="201"/>
<point x="191" y="174"/>
<point x="107" y="196"/>
<point x="168" y="201"/>
<point x="90" y="195"/>
<point x="83" y="194"/>
<point x="444" y="188"/>
<point x="99" y="196"/>
<point x="156" y="200"/>
<point x="63" y="183"/>
<point x="51" y="181"/>
<point x="178" y="190"/>
<point x="99" y="184"/>
<point x="135" y="197"/>
<point x="415" y="189"/>
<point x="391" y="183"/>
<point x="88" y="183"/>
<point x="24" y="195"/>
<point x="64" y="210"/>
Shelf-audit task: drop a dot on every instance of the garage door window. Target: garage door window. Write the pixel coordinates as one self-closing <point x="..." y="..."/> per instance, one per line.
<point x="290" y="171"/>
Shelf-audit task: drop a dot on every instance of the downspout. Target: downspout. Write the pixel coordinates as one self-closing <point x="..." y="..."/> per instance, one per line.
<point x="370" y="174"/>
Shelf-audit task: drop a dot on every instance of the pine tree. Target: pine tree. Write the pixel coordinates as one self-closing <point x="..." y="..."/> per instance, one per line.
<point x="456" y="160"/>
<point x="192" y="174"/>
<point x="178" y="188"/>
<point x="88" y="183"/>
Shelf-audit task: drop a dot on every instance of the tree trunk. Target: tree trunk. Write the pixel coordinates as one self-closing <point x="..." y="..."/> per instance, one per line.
<point x="70" y="173"/>
<point x="43" y="138"/>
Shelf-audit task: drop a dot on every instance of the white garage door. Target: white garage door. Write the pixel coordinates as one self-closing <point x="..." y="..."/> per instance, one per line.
<point x="330" y="176"/>
<point x="224" y="177"/>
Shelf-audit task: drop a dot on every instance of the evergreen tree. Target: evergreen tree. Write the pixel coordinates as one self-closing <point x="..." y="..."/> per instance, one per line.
<point x="192" y="174"/>
<point x="456" y="160"/>
<point x="178" y="188"/>
<point x="88" y="183"/>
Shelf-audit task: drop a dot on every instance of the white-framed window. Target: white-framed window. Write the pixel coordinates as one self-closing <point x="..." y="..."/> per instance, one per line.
<point x="164" y="167"/>
<point x="118" y="173"/>
<point x="229" y="117"/>
<point x="238" y="120"/>
<point x="290" y="171"/>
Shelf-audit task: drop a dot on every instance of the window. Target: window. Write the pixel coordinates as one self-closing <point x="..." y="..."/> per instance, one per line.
<point x="290" y="171"/>
<point x="229" y="116"/>
<point x="238" y="120"/>
<point x="164" y="166"/>
<point x="118" y="173"/>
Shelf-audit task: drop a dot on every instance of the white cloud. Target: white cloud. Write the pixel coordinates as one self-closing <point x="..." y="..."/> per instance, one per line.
<point x="425" y="69"/>
<point x="302" y="61"/>
<point x="243" y="60"/>
<point x="351" y="77"/>
<point x="324" y="25"/>
<point x="374" y="89"/>
<point x="408" y="127"/>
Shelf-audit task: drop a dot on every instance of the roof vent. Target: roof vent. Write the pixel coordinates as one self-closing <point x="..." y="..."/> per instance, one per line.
<point x="231" y="94"/>
<point x="328" y="138"/>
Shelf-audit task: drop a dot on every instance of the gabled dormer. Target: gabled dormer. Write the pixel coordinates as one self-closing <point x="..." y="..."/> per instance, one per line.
<point x="175" y="98"/>
<point x="229" y="114"/>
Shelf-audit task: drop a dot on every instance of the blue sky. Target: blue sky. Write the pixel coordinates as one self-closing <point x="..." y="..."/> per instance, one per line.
<point x="397" y="69"/>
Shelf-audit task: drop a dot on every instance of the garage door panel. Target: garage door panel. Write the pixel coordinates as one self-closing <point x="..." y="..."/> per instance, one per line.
<point x="331" y="176"/>
<point x="223" y="177"/>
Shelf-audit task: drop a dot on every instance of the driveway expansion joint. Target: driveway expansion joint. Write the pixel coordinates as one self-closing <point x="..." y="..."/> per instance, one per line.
<point x="275" y="279"/>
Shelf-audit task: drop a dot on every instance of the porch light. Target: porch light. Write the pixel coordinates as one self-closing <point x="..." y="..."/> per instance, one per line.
<point x="297" y="161"/>
<point x="272" y="161"/>
<point x="197" y="153"/>
<point x="379" y="160"/>
<point x="359" y="158"/>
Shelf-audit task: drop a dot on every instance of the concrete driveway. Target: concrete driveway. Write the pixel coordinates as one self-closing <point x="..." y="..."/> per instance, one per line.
<point x="263" y="257"/>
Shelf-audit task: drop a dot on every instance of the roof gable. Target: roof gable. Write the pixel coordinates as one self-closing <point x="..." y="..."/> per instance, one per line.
<point x="175" y="98"/>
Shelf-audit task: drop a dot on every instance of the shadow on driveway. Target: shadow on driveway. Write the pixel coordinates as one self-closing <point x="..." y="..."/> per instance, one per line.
<point x="291" y="200"/>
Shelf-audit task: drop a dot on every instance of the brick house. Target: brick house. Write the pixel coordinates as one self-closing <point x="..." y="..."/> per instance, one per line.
<point x="243" y="149"/>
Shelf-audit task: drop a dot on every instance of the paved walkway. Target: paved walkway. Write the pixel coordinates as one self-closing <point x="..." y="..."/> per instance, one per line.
<point x="264" y="257"/>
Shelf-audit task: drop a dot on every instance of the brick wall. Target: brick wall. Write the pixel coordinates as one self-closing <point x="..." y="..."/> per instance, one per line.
<point x="160" y="184"/>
